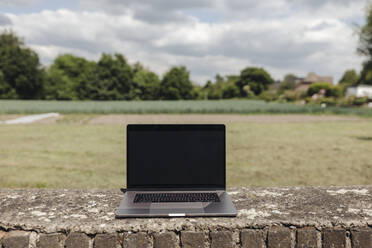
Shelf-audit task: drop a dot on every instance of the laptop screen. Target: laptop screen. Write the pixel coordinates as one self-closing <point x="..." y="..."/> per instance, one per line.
<point x="176" y="156"/>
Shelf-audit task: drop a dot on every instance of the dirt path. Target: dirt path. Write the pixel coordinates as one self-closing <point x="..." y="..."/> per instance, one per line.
<point x="215" y="118"/>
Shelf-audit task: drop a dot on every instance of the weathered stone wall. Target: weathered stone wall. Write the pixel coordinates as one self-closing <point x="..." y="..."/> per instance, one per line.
<point x="267" y="217"/>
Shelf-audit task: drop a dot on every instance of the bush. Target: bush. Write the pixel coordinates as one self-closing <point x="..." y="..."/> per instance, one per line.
<point x="248" y="92"/>
<point x="290" y="96"/>
<point x="329" y="101"/>
<point x="344" y="102"/>
<point x="269" y="96"/>
<point x="316" y="87"/>
<point x="337" y="91"/>
<point x="230" y="90"/>
<point x="358" y="101"/>
<point x="331" y="90"/>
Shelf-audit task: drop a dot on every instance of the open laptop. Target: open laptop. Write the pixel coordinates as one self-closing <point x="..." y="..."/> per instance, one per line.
<point x="175" y="171"/>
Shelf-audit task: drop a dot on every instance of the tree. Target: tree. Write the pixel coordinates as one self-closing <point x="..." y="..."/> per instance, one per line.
<point x="87" y="81"/>
<point x="366" y="74"/>
<point x="349" y="78"/>
<point x="288" y="83"/>
<point x="58" y="86"/>
<point x="146" y="85"/>
<point x="230" y="90"/>
<point x="257" y="79"/>
<point x="214" y="90"/>
<point x="198" y="92"/>
<point x="330" y="90"/>
<point x="211" y="91"/>
<point x="6" y="90"/>
<point x="176" y="84"/>
<point x="365" y="49"/>
<point x="223" y="87"/>
<point x="137" y="67"/>
<point x="290" y="78"/>
<point x="114" y="78"/>
<point x="248" y="92"/>
<point x="70" y="78"/>
<point x="365" y="36"/>
<point x="22" y="75"/>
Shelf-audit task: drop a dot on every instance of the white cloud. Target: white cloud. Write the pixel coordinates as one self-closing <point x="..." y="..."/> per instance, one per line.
<point x="19" y="2"/>
<point x="281" y="35"/>
<point x="4" y="20"/>
<point x="152" y="11"/>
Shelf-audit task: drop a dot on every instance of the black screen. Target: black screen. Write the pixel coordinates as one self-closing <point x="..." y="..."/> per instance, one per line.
<point x="176" y="156"/>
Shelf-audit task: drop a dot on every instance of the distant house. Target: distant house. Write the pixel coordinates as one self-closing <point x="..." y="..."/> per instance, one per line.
<point x="360" y="91"/>
<point x="303" y="84"/>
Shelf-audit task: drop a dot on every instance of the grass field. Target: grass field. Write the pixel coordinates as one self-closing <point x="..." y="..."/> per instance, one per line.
<point x="71" y="154"/>
<point x="145" y="107"/>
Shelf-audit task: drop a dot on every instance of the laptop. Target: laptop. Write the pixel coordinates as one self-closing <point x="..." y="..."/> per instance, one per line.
<point x="176" y="171"/>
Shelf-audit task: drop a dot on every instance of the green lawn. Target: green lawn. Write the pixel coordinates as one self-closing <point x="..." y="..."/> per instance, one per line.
<point x="70" y="155"/>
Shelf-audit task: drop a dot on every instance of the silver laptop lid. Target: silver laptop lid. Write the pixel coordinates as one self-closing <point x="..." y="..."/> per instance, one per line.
<point x="176" y="157"/>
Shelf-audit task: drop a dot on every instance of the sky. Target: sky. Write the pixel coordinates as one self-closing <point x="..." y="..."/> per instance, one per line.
<point x="209" y="37"/>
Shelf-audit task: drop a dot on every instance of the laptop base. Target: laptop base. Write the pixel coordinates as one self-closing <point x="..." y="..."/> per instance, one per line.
<point x="129" y="209"/>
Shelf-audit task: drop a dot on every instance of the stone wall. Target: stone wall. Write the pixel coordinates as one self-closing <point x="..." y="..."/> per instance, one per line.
<point x="267" y="217"/>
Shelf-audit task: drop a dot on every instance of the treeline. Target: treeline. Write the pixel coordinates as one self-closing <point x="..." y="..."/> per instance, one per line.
<point x="110" y="78"/>
<point x="71" y="77"/>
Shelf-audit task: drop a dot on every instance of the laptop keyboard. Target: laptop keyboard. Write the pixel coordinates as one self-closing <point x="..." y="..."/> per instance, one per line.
<point x="176" y="197"/>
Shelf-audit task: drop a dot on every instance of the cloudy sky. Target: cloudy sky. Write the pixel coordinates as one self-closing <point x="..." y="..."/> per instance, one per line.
<point x="207" y="36"/>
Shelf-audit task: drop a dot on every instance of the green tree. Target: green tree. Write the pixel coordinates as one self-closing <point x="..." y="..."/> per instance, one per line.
<point x="257" y="79"/>
<point x="365" y="36"/>
<point x="269" y="95"/>
<point x="365" y="48"/>
<point x="114" y="78"/>
<point x="232" y="78"/>
<point x="288" y="83"/>
<point x="138" y="67"/>
<point x="366" y="74"/>
<point x="330" y="90"/>
<point x="146" y="85"/>
<point x="22" y="75"/>
<point x="58" y="86"/>
<point x="214" y="90"/>
<point x="176" y="84"/>
<point x="87" y="81"/>
<point x="248" y="92"/>
<point x="6" y="90"/>
<point x="349" y="78"/>
<point x="223" y="87"/>
<point x="230" y="90"/>
<point x="69" y="78"/>
<point x="198" y="92"/>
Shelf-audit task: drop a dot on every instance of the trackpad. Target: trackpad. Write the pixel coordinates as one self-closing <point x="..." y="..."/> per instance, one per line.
<point x="176" y="212"/>
<point x="176" y="205"/>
